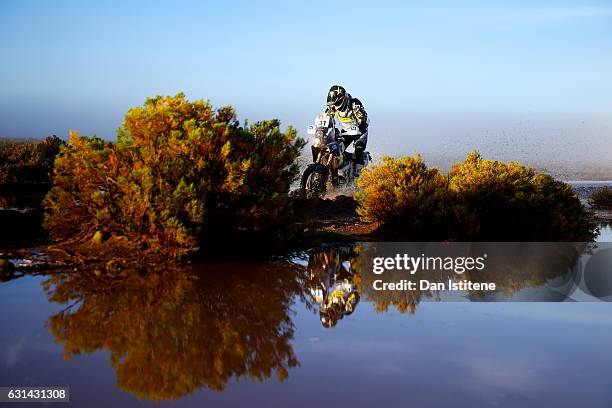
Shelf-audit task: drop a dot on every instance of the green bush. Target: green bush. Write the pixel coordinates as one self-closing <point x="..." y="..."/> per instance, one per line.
<point x="179" y="171"/>
<point x="602" y="198"/>
<point x="483" y="200"/>
<point x="28" y="161"/>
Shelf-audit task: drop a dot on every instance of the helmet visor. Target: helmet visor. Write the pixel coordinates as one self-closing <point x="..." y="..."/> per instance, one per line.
<point x="337" y="102"/>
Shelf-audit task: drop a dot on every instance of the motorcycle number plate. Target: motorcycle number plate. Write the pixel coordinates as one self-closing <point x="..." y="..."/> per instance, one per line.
<point x="322" y="122"/>
<point x="311" y="129"/>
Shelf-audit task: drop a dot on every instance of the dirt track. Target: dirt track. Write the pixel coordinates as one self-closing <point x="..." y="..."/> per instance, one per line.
<point x="339" y="215"/>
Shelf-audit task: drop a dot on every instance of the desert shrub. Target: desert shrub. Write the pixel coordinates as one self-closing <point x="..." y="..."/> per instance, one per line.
<point x="513" y="202"/>
<point x="28" y="161"/>
<point x="179" y="171"/>
<point x="602" y="198"/>
<point x="408" y="200"/>
<point x="483" y="200"/>
<point x="45" y="152"/>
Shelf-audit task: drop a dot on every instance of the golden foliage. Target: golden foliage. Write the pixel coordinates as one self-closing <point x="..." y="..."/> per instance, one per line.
<point x="408" y="199"/>
<point x="179" y="170"/>
<point x="478" y="200"/>
<point x="512" y="202"/>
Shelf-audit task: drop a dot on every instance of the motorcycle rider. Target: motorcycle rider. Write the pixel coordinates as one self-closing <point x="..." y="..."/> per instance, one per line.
<point x="351" y="113"/>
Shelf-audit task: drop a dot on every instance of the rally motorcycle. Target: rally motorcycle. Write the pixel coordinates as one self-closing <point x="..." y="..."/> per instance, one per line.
<point x="332" y="164"/>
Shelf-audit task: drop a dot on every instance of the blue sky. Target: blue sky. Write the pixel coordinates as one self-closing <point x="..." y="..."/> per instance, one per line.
<point x="432" y="75"/>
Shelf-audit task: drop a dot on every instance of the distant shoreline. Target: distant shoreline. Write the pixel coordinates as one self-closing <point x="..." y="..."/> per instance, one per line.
<point x="587" y="182"/>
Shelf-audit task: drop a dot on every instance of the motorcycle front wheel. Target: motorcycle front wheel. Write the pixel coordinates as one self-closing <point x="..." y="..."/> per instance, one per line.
<point x="314" y="180"/>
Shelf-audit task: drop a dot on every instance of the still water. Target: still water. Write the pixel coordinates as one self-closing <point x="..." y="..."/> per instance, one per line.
<point x="605" y="233"/>
<point x="252" y="333"/>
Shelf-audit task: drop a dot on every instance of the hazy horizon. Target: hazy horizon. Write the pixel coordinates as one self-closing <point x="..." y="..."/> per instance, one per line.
<point x="522" y="80"/>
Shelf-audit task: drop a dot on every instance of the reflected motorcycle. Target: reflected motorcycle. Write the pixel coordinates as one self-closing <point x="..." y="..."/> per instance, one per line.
<point x="332" y="283"/>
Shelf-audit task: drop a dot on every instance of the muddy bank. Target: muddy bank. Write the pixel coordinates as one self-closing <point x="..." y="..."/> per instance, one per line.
<point x="338" y="215"/>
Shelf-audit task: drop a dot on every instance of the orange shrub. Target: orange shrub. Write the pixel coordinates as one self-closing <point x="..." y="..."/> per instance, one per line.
<point x="178" y="171"/>
<point x="512" y="202"/>
<point x="408" y="200"/>
<point x="480" y="200"/>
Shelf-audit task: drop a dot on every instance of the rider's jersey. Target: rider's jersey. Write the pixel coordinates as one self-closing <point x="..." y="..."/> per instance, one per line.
<point x="355" y="115"/>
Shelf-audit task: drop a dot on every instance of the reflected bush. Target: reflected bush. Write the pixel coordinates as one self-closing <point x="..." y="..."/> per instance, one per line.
<point x="171" y="333"/>
<point x="178" y="172"/>
<point x="602" y="198"/>
<point x="478" y="200"/>
<point x="551" y="272"/>
<point x="553" y="268"/>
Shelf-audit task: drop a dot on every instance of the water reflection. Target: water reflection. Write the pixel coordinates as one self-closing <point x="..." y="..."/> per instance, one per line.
<point x="172" y="333"/>
<point x="520" y="271"/>
<point x="605" y="232"/>
<point x="332" y="281"/>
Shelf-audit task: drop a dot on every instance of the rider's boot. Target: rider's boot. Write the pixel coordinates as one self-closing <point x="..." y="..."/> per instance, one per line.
<point x="358" y="168"/>
<point x="361" y="159"/>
